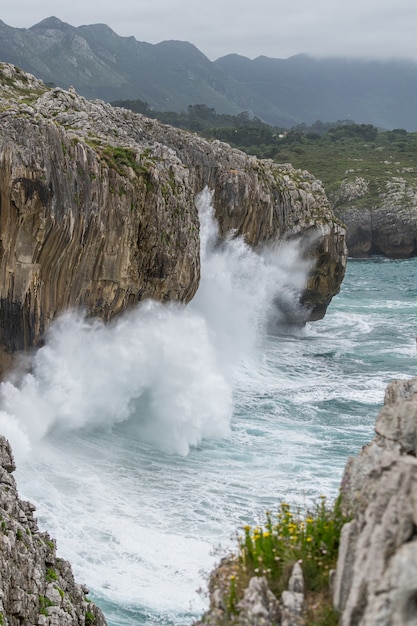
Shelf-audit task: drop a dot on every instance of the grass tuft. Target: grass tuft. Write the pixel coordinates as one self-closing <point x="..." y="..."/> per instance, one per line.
<point x="271" y="550"/>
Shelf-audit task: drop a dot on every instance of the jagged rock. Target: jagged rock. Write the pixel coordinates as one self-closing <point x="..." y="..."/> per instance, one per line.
<point x="376" y="577"/>
<point x="381" y="221"/>
<point x="98" y="210"/>
<point x="375" y="583"/>
<point x="36" y="587"/>
<point x="400" y="390"/>
<point x="351" y="190"/>
<point x="259" y="607"/>
<point x="292" y="599"/>
<point x="219" y="593"/>
<point x="400" y="425"/>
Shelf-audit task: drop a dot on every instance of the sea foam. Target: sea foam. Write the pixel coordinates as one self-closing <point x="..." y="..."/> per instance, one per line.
<point x="163" y="370"/>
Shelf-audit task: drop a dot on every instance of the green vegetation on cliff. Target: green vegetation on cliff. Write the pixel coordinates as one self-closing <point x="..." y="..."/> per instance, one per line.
<point x="271" y="550"/>
<point x="333" y="152"/>
<point x="349" y="150"/>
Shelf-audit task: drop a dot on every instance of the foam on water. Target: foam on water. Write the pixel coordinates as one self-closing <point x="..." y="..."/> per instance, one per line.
<point x="147" y="442"/>
<point x="164" y="370"/>
<point x="103" y="423"/>
<point x="89" y="375"/>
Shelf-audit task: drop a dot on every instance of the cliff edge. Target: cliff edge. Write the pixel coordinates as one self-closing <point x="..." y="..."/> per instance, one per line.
<point x="97" y="210"/>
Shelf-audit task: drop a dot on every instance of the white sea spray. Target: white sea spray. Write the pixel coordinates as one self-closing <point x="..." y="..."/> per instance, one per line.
<point x="147" y="441"/>
<point x="164" y="370"/>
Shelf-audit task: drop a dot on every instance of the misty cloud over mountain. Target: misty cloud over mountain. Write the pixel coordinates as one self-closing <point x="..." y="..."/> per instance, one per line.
<point x="171" y="75"/>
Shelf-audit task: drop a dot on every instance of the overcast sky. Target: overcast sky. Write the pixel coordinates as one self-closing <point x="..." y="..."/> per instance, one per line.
<point x="275" y="28"/>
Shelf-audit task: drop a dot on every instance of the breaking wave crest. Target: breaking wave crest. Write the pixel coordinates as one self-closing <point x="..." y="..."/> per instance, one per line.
<point x="162" y="372"/>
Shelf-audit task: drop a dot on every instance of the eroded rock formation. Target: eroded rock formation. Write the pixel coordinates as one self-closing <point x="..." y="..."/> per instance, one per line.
<point x="376" y="578"/>
<point x="97" y="209"/>
<point x="382" y="220"/>
<point x="85" y="223"/>
<point x="36" y="587"/>
<point x="259" y="606"/>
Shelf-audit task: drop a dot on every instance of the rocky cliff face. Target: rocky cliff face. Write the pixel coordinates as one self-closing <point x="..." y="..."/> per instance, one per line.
<point x="381" y="220"/>
<point x="97" y="210"/>
<point x="376" y="578"/>
<point x="85" y="223"/>
<point x="36" y="587"/>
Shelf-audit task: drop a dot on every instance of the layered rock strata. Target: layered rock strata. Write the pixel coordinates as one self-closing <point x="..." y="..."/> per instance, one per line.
<point x="97" y="209"/>
<point x="376" y="578"/>
<point x="36" y="587"/>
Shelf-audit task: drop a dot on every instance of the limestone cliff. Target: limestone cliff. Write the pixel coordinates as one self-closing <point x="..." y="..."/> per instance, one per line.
<point x="97" y="209"/>
<point x="36" y="587"/>
<point x="376" y="579"/>
<point x="381" y="216"/>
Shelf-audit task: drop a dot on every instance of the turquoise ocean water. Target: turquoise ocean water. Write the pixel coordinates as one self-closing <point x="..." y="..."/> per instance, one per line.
<point x="145" y="446"/>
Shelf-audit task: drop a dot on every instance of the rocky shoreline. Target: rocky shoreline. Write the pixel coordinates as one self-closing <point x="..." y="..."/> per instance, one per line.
<point x="36" y="586"/>
<point x="98" y="211"/>
<point x="374" y="584"/>
<point x="375" y="581"/>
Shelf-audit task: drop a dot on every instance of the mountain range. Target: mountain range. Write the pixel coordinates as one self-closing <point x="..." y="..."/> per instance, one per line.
<point x="171" y="75"/>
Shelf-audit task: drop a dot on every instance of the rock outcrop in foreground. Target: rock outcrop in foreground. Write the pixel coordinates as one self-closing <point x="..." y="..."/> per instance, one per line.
<point x="97" y="209"/>
<point x="36" y="587"/>
<point x="375" y="583"/>
<point x="376" y="578"/>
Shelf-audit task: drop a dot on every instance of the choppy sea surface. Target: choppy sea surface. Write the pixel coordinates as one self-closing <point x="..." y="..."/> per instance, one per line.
<point x="147" y="444"/>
